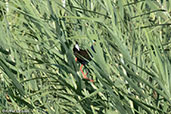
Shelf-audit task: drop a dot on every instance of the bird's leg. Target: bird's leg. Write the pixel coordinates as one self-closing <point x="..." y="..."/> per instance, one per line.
<point x="85" y="75"/>
<point x="75" y="59"/>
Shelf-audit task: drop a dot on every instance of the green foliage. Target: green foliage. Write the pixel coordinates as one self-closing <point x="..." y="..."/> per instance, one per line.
<point x="131" y="66"/>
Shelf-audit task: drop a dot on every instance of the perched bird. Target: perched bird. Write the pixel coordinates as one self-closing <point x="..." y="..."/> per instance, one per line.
<point x="83" y="57"/>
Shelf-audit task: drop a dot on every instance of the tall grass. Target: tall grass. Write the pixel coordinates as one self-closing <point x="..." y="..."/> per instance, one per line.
<point x="131" y="66"/>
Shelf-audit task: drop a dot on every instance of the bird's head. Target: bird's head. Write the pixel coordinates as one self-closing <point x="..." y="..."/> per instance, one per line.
<point x="76" y="47"/>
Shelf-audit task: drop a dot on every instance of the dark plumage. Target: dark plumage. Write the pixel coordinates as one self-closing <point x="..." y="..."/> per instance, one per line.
<point x="83" y="56"/>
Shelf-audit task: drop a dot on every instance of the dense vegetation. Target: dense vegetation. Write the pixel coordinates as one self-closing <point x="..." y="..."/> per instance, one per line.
<point x="131" y="66"/>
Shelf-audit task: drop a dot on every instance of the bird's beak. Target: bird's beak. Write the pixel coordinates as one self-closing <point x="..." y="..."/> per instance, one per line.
<point x="77" y="47"/>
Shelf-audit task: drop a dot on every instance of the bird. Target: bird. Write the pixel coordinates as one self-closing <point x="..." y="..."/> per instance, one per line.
<point x="83" y="56"/>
